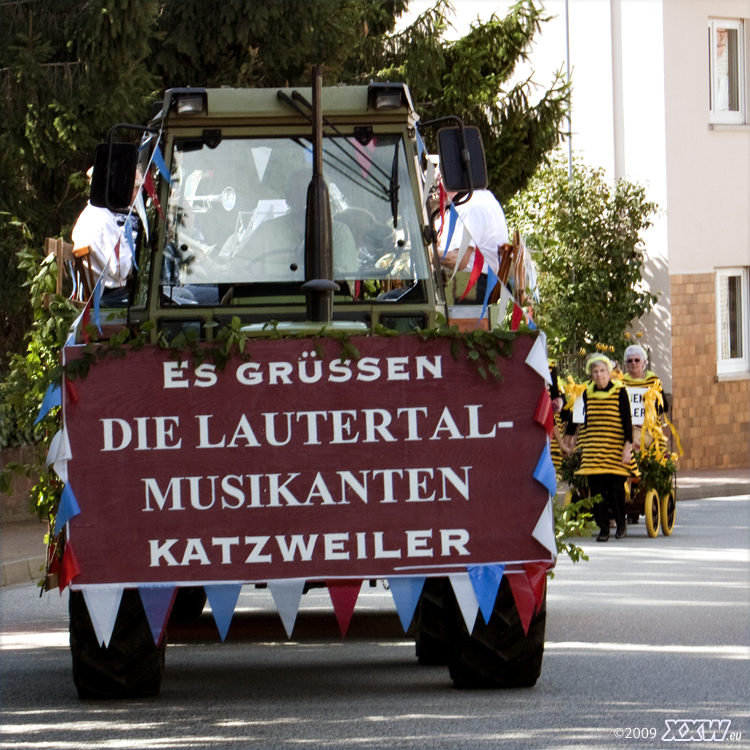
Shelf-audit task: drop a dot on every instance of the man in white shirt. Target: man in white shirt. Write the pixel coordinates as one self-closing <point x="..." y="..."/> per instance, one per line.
<point x="99" y="229"/>
<point x="484" y="219"/>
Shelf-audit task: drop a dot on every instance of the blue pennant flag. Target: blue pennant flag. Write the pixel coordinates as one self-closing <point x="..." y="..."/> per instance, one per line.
<point x="545" y="471"/>
<point x="67" y="509"/>
<point x="161" y="165"/>
<point x="452" y="218"/>
<point x="97" y="304"/>
<point x="223" y="599"/>
<point x="486" y="580"/>
<point x="157" y="601"/>
<point x="406" y="592"/>
<point x="52" y="398"/>
<point x="420" y="146"/>
<point x="491" y="284"/>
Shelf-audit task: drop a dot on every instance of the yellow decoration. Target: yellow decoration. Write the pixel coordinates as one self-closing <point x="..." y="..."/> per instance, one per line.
<point x="627" y="335"/>
<point x="573" y="391"/>
<point x="639" y="335"/>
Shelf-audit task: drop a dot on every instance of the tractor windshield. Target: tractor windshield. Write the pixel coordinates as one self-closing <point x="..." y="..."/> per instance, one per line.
<point x="236" y="213"/>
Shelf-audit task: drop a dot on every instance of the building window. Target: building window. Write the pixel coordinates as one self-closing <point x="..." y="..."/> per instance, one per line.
<point x="727" y="71"/>
<point x="731" y="320"/>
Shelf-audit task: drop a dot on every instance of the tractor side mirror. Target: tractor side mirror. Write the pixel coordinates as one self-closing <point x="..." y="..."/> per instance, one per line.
<point x="462" y="162"/>
<point x="113" y="179"/>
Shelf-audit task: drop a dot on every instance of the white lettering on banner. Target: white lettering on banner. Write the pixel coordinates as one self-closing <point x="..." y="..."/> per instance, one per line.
<point x="637" y="398"/>
<point x="305" y="548"/>
<point x="416" y="485"/>
<point x="279" y="429"/>
<point x="309" y="370"/>
<point x="163" y="433"/>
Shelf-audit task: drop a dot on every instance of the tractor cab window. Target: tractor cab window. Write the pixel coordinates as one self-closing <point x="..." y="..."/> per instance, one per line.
<point x="236" y="217"/>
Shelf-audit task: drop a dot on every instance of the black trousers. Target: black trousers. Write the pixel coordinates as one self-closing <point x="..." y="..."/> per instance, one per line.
<point x="612" y="489"/>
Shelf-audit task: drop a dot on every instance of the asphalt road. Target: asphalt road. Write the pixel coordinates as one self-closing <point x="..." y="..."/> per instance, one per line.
<point x="648" y="632"/>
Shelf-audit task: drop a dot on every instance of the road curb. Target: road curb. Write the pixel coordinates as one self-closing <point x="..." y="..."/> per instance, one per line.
<point x="23" y="570"/>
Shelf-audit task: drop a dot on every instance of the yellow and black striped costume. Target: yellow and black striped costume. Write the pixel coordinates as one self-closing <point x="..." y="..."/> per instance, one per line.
<point x="605" y="431"/>
<point x="648" y="381"/>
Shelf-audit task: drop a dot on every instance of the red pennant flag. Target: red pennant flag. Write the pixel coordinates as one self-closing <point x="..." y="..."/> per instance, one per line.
<point x="516" y="317"/>
<point x="72" y="391"/>
<point x="523" y="595"/>
<point x="150" y="188"/>
<point x="537" y="575"/>
<point x="475" y="271"/>
<point x="69" y="568"/>
<point x="344" y="596"/>
<point x="544" y="414"/>
<point x="443" y="198"/>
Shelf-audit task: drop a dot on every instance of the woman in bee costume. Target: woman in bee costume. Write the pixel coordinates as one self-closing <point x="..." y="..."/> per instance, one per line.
<point x="639" y="376"/>
<point x="606" y="443"/>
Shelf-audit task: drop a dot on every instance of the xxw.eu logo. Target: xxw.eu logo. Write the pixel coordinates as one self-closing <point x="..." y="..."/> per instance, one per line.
<point x="696" y="730"/>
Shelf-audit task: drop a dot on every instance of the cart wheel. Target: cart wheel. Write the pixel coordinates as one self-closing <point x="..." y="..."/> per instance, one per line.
<point x="651" y="511"/>
<point x="668" y="513"/>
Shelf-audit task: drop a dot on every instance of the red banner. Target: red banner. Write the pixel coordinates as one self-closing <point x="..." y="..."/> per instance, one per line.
<point x="292" y="465"/>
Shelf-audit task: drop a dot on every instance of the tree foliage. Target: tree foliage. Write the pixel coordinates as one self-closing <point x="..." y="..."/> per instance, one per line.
<point x="585" y="234"/>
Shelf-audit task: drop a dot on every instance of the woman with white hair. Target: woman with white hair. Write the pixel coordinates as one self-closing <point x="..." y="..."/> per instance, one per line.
<point x="606" y="442"/>
<point x="639" y="376"/>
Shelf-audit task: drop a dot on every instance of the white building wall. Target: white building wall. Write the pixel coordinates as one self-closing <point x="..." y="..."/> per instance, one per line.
<point x="708" y="168"/>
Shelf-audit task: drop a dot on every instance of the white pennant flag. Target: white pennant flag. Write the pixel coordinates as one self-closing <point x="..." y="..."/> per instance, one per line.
<point x="537" y="359"/>
<point x="463" y="247"/>
<point x="140" y="208"/>
<point x="287" y="595"/>
<point x="505" y="297"/>
<point x="544" y="531"/>
<point x="64" y="454"/>
<point x="54" y="446"/>
<point x="103" y="602"/>
<point x="466" y="598"/>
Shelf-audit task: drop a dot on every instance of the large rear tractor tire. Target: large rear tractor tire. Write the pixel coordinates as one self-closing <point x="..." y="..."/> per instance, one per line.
<point x="431" y="629"/>
<point x="498" y="654"/>
<point x="130" y="667"/>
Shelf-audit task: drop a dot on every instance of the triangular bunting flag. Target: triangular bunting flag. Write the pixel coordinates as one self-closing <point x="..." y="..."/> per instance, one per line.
<point x="286" y="595"/>
<point x="452" y="219"/>
<point x="466" y="598"/>
<point x="486" y="580"/>
<point x="103" y="603"/>
<point x="537" y="357"/>
<point x="505" y="297"/>
<point x="64" y="454"/>
<point x="54" y="447"/>
<point x="544" y="414"/>
<point x="476" y="272"/>
<point x="52" y="398"/>
<point x="261" y="155"/>
<point x="545" y="471"/>
<point x="161" y="165"/>
<point x="492" y="282"/>
<point x="406" y="592"/>
<point x="71" y="390"/>
<point x="536" y="572"/>
<point x="69" y="567"/>
<point x="523" y="595"/>
<point x="140" y="209"/>
<point x="223" y="600"/>
<point x="150" y="188"/>
<point x="67" y="509"/>
<point x="344" y="595"/>
<point x="544" y="531"/>
<point x="463" y="247"/>
<point x="516" y="317"/>
<point x="157" y="601"/>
